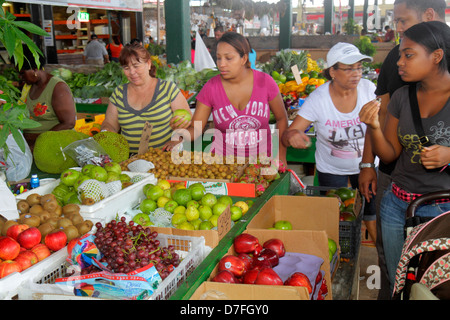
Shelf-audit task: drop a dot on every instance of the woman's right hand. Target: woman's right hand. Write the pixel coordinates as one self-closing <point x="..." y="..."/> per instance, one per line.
<point x="297" y="139"/>
<point x="369" y="114"/>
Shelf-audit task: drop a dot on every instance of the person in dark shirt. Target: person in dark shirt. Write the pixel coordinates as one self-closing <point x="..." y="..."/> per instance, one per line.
<point x="406" y="14"/>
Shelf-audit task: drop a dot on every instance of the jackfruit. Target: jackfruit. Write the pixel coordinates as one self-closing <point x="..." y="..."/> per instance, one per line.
<point x="114" y="144"/>
<point x="48" y="150"/>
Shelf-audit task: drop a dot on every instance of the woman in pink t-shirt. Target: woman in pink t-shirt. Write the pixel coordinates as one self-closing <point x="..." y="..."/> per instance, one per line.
<point x="240" y="100"/>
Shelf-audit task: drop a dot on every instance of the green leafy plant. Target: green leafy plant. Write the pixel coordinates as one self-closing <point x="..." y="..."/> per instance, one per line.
<point x="13" y="114"/>
<point x="365" y="46"/>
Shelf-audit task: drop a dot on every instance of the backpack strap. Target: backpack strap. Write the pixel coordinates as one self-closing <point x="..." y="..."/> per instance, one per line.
<point x="417" y="120"/>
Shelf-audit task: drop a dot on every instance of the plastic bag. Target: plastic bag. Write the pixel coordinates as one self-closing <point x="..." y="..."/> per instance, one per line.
<point x="18" y="164"/>
<point x="202" y="59"/>
<point x="87" y="151"/>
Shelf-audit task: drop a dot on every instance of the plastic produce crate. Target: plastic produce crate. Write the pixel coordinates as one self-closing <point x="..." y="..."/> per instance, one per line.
<point x="349" y="231"/>
<point x="108" y="208"/>
<point x="44" y="271"/>
<point x="192" y="250"/>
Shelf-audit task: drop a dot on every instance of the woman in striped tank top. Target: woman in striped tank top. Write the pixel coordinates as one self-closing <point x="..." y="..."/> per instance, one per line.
<point x="144" y="98"/>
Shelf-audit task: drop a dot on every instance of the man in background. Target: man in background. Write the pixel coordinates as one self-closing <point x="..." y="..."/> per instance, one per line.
<point x="95" y="52"/>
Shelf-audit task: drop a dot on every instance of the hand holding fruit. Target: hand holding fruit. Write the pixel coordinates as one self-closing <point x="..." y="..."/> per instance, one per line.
<point x="296" y="139"/>
<point x="181" y="119"/>
<point x="369" y="114"/>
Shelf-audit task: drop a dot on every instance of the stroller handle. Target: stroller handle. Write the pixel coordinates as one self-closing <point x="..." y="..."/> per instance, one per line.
<point x="425" y="198"/>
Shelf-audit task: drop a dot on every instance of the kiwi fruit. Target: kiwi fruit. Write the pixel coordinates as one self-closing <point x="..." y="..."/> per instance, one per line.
<point x="76" y="218"/>
<point x="83" y="227"/>
<point x="71" y="207"/>
<point x="33" y="199"/>
<point x="31" y="220"/>
<point x="71" y="232"/>
<point x="35" y="209"/>
<point x="6" y="226"/>
<point x="58" y="211"/>
<point x="64" y="222"/>
<point x="44" y="215"/>
<point x="23" y="206"/>
<point x="50" y="205"/>
<point x="53" y="221"/>
<point x="45" y="229"/>
<point x="46" y="198"/>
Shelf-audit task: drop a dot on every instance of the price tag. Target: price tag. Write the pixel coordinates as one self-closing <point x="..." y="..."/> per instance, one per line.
<point x="145" y="138"/>
<point x="224" y="223"/>
<point x="296" y="74"/>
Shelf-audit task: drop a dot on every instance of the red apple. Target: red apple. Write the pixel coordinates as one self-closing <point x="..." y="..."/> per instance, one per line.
<point x="14" y="230"/>
<point x="248" y="260"/>
<point x="56" y="240"/>
<point x="233" y="264"/>
<point x="276" y="245"/>
<point x="9" y="248"/>
<point x="245" y="243"/>
<point x="26" y="259"/>
<point x="41" y="251"/>
<point x="299" y="279"/>
<point x="29" y="237"/>
<point x="269" y="255"/>
<point x="225" y="276"/>
<point x="9" y="266"/>
<point x="269" y="277"/>
<point x="250" y="276"/>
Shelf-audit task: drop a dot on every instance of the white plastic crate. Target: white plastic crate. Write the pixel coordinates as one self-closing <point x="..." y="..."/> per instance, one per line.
<point x="42" y="272"/>
<point x="106" y="209"/>
<point x="192" y="250"/>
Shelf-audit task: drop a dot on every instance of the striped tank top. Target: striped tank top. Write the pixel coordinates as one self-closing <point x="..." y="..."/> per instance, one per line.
<point x="158" y="113"/>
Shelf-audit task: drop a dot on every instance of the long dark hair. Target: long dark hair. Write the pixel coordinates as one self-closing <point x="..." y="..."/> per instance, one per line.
<point x="432" y="35"/>
<point x="238" y="42"/>
<point x="137" y="52"/>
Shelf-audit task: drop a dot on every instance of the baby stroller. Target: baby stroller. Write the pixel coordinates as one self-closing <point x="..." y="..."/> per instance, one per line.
<point x="423" y="272"/>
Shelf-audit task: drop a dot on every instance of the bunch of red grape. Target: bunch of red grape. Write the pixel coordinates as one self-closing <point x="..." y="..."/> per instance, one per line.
<point x="129" y="246"/>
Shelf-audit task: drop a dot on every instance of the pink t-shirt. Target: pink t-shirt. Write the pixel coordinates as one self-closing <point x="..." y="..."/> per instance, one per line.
<point x="241" y="132"/>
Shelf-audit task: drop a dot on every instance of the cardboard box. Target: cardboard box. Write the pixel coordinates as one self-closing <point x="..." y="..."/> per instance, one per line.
<point x="300" y="241"/>
<point x="212" y="237"/>
<point x="304" y="213"/>
<point x="223" y="291"/>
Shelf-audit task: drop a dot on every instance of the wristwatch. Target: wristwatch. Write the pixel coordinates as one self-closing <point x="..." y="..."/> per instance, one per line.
<point x="363" y="165"/>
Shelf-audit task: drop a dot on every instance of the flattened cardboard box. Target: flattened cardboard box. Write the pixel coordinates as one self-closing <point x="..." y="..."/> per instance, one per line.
<point x="301" y="241"/>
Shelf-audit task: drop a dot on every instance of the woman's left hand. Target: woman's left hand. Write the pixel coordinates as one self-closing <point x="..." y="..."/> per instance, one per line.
<point x="435" y="156"/>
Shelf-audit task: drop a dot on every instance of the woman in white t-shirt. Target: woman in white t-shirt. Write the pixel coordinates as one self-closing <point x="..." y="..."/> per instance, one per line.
<point x="334" y="109"/>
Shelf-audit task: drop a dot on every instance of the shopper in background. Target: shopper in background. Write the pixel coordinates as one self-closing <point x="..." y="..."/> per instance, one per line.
<point x="390" y="34"/>
<point x="218" y="33"/>
<point x="144" y="98"/>
<point x="136" y="41"/>
<point x="424" y="63"/>
<point x="334" y="109"/>
<point x="372" y="184"/>
<point x="240" y="100"/>
<point x="114" y="48"/>
<point x="95" y="52"/>
<point x="49" y="99"/>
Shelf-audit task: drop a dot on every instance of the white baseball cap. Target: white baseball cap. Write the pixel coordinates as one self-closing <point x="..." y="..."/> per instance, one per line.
<point x="345" y="53"/>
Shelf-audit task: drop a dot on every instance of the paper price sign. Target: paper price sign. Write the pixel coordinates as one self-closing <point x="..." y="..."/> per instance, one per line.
<point x="224" y="223"/>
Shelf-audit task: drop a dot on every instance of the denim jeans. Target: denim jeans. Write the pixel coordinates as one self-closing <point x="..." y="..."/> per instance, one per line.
<point x="337" y="181"/>
<point x="393" y="215"/>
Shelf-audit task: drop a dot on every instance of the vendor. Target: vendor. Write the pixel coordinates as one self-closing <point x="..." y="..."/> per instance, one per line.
<point x="240" y="100"/>
<point x="49" y="99"/>
<point x="144" y="98"/>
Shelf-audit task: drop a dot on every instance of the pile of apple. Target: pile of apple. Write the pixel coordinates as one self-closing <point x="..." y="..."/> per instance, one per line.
<point x="21" y="247"/>
<point x="70" y="180"/>
<point x="254" y="264"/>
<point x="192" y="208"/>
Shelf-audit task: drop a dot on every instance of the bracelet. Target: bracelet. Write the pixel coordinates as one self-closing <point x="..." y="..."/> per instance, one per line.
<point x="363" y="165"/>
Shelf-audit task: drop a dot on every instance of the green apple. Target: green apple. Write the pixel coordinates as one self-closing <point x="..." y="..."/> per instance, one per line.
<point x="154" y="192"/>
<point x="197" y="185"/>
<point x="192" y="213"/>
<point x="87" y="168"/>
<point x="161" y="201"/>
<point x="182" y="114"/>
<point x="148" y="205"/>
<point x="225" y="199"/>
<point x="98" y="173"/>
<point x="197" y="192"/>
<point x="186" y="226"/>
<point x="196" y="223"/>
<point x="113" y="167"/>
<point x="171" y="206"/>
<point x="209" y="200"/>
<point x="179" y="209"/>
<point x="205" y="212"/>
<point x="124" y="177"/>
<point x="142" y="219"/>
<point x="192" y="203"/>
<point x="213" y="220"/>
<point x="164" y="184"/>
<point x="282" y="225"/>
<point x="112" y="176"/>
<point x="236" y="213"/>
<point x="69" y="177"/>
<point x="178" y="218"/>
<point x="218" y="208"/>
<point x="167" y="193"/>
<point x="205" y="225"/>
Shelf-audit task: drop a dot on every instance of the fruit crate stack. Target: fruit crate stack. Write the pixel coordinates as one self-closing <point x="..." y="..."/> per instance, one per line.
<point x="349" y="231"/>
